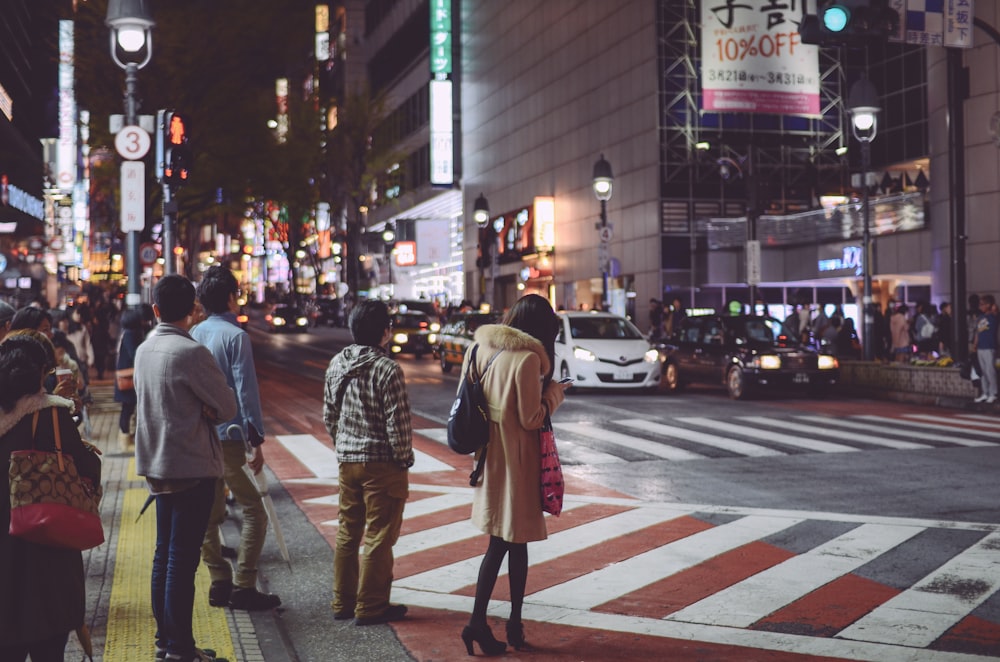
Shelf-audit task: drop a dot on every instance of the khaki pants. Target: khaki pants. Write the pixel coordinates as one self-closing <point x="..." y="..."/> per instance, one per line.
<point x="254" y="528"/>
<point x="372" y="496"/>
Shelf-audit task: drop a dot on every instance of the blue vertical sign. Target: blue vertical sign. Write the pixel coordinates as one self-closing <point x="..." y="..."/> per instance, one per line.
<point x="440" y="37"/>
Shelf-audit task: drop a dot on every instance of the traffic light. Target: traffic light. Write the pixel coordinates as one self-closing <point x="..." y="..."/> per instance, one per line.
<point x="849" y="21"/>
<point x="173" y="155"/>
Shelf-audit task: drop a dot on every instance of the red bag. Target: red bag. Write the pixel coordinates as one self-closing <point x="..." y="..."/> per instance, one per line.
<point x="552" y="477"/>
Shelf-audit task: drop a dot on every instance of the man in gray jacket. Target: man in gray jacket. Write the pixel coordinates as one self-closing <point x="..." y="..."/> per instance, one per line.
<point x="182" y="394"/>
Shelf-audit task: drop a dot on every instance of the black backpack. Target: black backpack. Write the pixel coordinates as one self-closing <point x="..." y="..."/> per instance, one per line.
<point x="469" y="421"/>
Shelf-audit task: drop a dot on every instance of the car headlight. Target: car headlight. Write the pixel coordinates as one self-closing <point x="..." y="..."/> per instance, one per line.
<point x="770" y="362"/>
<point x="827" y="362"/>
<point x="583" y="354"/>
<point x="432" y="339"/>
<point x="651" y="356"/>
<point x="400" y="338"/>
<point x="435" y="327"/>
<point x="278" y="321"/>
<point x="301" y="321"/>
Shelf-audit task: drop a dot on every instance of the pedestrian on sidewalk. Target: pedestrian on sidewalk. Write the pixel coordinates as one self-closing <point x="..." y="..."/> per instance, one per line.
<point x="367" y="413"/>
<point x="181" y="395"/>
<point x="985" y="344"/>
<point x="42" y="593"/>
<point x="508" y="505"/>
<point x="132" y="335"/>
<point x="219" y="294"/>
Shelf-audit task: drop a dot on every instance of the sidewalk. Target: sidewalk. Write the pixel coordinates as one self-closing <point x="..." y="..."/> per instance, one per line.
<point x="117" y="572"/>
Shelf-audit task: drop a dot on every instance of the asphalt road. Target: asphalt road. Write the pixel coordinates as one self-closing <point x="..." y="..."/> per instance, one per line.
<point x="832" y="463"/>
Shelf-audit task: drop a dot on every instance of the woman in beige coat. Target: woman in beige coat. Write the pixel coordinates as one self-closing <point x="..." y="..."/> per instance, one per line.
<point x="507" y="505"/>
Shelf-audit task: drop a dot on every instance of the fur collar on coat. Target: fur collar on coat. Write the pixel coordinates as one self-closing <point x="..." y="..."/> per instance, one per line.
<point x="29" y="404"/>
<point x="501" y="336"/>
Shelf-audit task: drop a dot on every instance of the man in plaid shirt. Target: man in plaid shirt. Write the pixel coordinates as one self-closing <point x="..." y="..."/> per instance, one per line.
<point x="367" y="413"/>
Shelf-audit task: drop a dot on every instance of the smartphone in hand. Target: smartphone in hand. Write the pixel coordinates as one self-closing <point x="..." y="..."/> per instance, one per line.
<point x="567" y="380"/>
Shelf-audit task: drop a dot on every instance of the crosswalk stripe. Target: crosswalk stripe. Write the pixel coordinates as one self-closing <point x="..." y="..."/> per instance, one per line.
<point x="745" y="603"/>
<point x="319" y="458"/>
<point x="731" y="445"/>
<point x="614" y="581"/>
<point x="921" y="614"/>
<point x="935" y="426"/>
<point x="962" y="420"/>
<point x="893" y="431"/>
<point x="629" y="441"/>
<point x="992" y="420"/>
<point x="775" y="437"/>
<point x="821" y="430"/>
<point x="572" y="453"/>
<point x="454" y="576"/>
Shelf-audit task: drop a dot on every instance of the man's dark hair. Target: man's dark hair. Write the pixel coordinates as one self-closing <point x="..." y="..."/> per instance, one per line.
<point x="215" y="289"/>
<point x="174" y="296"/>
<point x="29" y="317"/>
<point x="369" y="320"/>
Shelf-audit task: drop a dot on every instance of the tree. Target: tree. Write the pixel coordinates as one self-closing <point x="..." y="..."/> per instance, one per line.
<point x="217" y="62"/>
<point x="355" y="162"/>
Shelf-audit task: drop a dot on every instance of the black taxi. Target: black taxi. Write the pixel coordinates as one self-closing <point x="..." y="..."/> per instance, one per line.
<point x="456" y="337"/>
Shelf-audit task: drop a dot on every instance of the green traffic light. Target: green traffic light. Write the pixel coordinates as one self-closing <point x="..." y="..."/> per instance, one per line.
<point x="836" y="18"/>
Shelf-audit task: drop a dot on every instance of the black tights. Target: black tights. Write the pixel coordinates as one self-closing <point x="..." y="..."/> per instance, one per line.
<point x="517" y="572"/>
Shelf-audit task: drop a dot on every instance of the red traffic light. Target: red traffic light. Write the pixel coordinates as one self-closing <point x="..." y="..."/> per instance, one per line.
<point x="177" y="131"/>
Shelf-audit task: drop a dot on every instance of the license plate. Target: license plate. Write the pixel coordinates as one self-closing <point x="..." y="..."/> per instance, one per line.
<point x="801" y="378"/>
<point x="623" y="375"/>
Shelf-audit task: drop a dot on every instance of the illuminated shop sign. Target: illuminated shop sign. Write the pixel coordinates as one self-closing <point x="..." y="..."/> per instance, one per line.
<point x="848" y="259"/>
<point x="66" y="147"/>
<point x="442" y="137"/>
<point x="440" y="36"/>
<point x="12" y="196"/>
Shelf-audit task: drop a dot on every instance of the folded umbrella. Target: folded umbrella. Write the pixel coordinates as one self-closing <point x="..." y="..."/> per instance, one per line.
<point x="260" y="480"/>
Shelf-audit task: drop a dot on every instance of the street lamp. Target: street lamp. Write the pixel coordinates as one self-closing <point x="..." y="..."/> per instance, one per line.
<point x="603" y="183"/>
<point x="863" y="105"/>
<point x="131" y="48"/>
<point x="481" y="215"/>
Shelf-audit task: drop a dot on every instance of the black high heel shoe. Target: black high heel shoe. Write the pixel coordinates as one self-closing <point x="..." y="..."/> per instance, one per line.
<point x="515" y="635"/>
<point x="484" y="638"/>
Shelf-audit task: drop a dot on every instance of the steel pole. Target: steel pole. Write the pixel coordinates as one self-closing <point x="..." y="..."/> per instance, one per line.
<point x="134" y="297"/>
<point x="605" y="304"/>
<point x="866" y="300"/>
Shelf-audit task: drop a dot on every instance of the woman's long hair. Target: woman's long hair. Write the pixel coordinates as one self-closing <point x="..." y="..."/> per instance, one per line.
<point x="534" y="315"/>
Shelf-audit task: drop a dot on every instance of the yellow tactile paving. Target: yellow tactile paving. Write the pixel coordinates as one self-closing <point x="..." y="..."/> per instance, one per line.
<point x="131" y="628"/>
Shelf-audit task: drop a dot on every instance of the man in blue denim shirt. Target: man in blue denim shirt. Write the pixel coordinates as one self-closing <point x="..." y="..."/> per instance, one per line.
<point x="219" y="294"/>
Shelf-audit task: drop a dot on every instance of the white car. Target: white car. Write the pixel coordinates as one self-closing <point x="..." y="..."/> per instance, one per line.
<point x="602" y="350"/>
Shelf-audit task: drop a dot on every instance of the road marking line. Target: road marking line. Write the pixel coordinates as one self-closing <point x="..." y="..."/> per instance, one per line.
<point x="731" y="445"/>
<point x="820" y="430"/>
<point x="856" y="425"/>
<point x="961" y="420"/>
<point x="992" y="420"/>
<point x="454" y="576"/>
<point x="614" y="581"/>
<point x="321" y="459"/>
<point x="654" y="448"/>
<point x="774" y="437"/>
<point x="943" y="428"/>
<point x="921" y="614"/>
<point x="743" y="604"/>
<point x="811" y="647"/>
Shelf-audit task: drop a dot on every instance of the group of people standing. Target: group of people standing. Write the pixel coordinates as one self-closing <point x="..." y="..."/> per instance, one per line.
<point x="664" y="319"/>
<point x="367" y="414"/>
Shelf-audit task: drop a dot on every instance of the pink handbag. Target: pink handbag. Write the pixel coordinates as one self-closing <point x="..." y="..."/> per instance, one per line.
<point x="552" y="476"/>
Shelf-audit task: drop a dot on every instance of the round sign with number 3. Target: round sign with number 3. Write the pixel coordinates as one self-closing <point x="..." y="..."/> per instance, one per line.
<point x="132" y="142"/>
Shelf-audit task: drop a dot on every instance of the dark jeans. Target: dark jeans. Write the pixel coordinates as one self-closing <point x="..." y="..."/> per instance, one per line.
<point x="181" y="520"/>
<point x="47" y="650"/>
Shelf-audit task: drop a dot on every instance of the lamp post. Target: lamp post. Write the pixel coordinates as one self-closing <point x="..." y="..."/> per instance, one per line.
<point x="603" y="182"/>
<point x="481" y="215"/>
<point x="131" y="48"/>
<point x="863" y="105"/>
